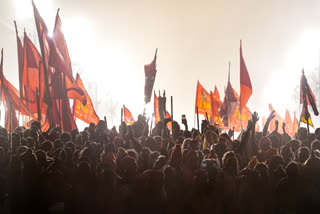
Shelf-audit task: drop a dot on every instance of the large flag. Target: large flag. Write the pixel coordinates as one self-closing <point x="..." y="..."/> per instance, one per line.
<point x="44" y="38"/>
<point x="203" y="100"/>
<point x="20" y="57"/>
<point x="128" y="118"/>
<point x="30" y="82"/>
<point x="245" y="82"/>
<point x="289" y="124"/>
<point x="229" y="104"/>
<point x="310" y="98"/>
<point x="295" y="125"/>
<point x="215" y="105"/>
<point x="156" y="109"/>
<point x="150" y="72"/>
<point x="272" y="125"/>
<point x="59" y="56"/>
<point x="85" y="112"/>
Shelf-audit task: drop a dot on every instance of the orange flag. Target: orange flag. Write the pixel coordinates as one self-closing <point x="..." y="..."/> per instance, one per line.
<point x="238" y="119"/>
<point x="203" y="100"/>
<point x="85" y="112"/>
<point x="245" y="82"/>
<point x="59" y="56"/>
<point x="128" y="118"/>
<point x="169" y="125"/>
<point x="294" y="125"/>
<point x="156" y="109"/>
<point x="289" y="124"/>
<point x="215" y="105"/>
<point x="272" y="125"/>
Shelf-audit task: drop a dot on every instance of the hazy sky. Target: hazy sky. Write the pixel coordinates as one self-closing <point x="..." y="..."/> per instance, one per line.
<point x="110" y="41"/>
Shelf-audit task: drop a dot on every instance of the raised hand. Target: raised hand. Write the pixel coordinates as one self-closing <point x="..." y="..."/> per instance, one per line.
<point x="255" y="117"/>
<point x="272" y="115"/>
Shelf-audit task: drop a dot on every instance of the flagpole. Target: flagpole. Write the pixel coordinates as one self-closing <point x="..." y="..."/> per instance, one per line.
<point x="171" y="110"/>
<point x="198" y="119"/>
<point x="60" y="86"/>
<point x="151" y="124"/>
<point x="10" y="135"/>
<point x="122" y="109"/>
<point x="306" y="112"/>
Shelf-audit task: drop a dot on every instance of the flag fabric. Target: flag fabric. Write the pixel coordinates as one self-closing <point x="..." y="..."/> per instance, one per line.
<point x="9" y="95"/>
<point x="239" y="119"/>
<point x="169" y="125"/>
<point x="272" y="124"/>
<point x="59" y="55"/>
<point x="263" y="121"/>
<point x="229" y="104"/>
<point x="215" y="105"/>
<point x="44" y="38"/>
<point x="289" y="124"/>
<point x="30" y="74"/>
<point x="245" y="82"/>
<point x="85" y="112"/>
<point x="203" y="100"/>
<point x="310" y="98"/>
<point x="150" y="72"/>
<point x="128" y="118"/>
<point x="20" y="51"/>
<point x="305" y="116"/>
<point x="257" y="127"/>
<point x="295" y="125"/>
<point x="156" y="109"/>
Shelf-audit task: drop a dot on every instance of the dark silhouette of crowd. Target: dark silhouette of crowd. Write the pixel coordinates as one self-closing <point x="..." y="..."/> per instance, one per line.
<point x="137" y="170"/>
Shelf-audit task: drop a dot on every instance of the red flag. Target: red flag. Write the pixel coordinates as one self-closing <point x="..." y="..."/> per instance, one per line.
<point x="85" y="112"/>
<point x="128" y="118"/>
<point x="257" y="127"/>
<point x="310" y="98"/>
<point x="263" y="121"/>
<point x="156" y="109"/>
<point x="150" y="72"/>
<point x="20" y="57"/>
<point x="203" y="100"/>
<point x="44" y="39"/>
<point x="229" y="104"/>
<point x="289" y="124"/>
<point x="245" y="82"/>
<point x="59" y="56"/>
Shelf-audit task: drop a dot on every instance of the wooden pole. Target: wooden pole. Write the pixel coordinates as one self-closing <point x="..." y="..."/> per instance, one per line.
<point x="122" y="109"/>
<point x="171" y="110"/>
<point x="198" y="119"/>
<point x="105" y="120"/>
<point x="151" y="125"/>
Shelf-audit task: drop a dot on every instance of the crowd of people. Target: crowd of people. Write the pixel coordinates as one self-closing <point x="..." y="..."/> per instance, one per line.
<point x="137" y="170"/>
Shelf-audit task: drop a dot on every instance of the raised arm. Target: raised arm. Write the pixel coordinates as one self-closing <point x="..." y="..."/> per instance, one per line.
<point x="266" y="126"/>
<point x="253" y="145"/>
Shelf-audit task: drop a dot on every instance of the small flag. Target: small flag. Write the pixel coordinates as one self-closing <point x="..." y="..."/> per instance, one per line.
<point x="245" y="82"/>
<point x="128" y="118"/>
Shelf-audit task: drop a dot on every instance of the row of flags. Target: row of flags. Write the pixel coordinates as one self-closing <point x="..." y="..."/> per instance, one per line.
<point x="46" y="83"/>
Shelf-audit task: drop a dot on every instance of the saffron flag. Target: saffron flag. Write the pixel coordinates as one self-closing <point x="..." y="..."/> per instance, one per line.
<point x="229" y="104"/>
<point x="128" y="118"/>
<point x="272" y="124"/>
<point x="289" y="124"/>
<point x="239" y="119"/>
<point x="85" y="112"/>
<point x="245" y="82"/>
<point x="306" y="90"/>
<point x="203" y="100"/>
<point x="294" y="125"/>
<point x="59" y="56"/>
<point x="156" y="109"/>
<point x="215" y="105"/>
<point x="150" y="72"/>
